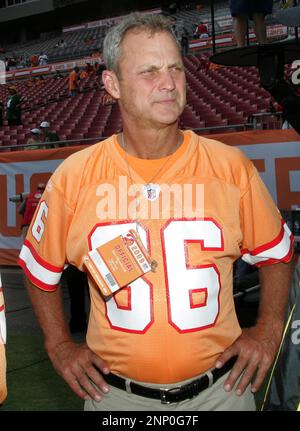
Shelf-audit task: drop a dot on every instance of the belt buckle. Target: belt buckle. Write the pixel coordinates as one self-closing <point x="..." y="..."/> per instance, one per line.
<point x="164" y="392"/>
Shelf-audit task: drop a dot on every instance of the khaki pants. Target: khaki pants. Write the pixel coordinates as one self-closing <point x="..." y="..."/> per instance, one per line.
<point x="211" y="399"/>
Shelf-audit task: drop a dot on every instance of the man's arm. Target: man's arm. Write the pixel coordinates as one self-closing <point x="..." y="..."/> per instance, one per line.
<point x="74" y="362"/>
<point x="257" y="346"/>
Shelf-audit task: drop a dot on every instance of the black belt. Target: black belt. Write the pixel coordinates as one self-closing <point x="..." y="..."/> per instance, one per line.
<point x="172" y="395"/>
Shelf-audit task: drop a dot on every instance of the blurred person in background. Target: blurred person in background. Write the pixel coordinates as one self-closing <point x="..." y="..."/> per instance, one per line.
<point x="43" y="59"/>
<point x="74" y="81"/>
<point x="28" y="207"/>
<point x="47" y="134"/>
<point x="201" y="31"/>
<point x="34" y="140"/>
<point x="256" y="10"/>
<point x="14" y="103"/>
<point x="184" y="42"/>
<point x="83" y="74"/>
<point x="34" y="60"/>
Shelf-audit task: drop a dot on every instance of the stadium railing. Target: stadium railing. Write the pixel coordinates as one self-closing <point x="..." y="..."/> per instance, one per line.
<point x="71" y="142"/>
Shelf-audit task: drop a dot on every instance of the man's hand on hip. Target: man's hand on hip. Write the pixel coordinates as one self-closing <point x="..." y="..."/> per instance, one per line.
<point x="256" y="349"/>
<point x="76" y="364"/>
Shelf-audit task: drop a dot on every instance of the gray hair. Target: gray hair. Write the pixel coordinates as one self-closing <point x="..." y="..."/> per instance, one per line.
<point x="154" y="23"/>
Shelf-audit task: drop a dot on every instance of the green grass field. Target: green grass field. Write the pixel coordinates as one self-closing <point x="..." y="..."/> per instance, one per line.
<point x="33" y="385"/>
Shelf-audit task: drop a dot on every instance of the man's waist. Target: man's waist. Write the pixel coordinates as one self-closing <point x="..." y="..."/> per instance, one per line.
<point x="170" y="393"/>
<point x="156" y="371"/>
<point x="159" y="364"/>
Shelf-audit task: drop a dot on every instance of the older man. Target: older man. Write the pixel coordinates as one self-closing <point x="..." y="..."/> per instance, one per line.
<point x="168" y="339"/>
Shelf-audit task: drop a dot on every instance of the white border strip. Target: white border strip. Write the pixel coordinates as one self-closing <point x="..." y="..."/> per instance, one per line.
<point x="37" y="270"/>
<point x="277" y="252"/>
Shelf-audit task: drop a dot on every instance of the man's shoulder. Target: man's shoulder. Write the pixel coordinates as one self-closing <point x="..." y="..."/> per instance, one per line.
<point x="215" y="147"/>
<point x="77" y="163"/>
<point x="222" y="160"/>
<point x="81" y="170"/>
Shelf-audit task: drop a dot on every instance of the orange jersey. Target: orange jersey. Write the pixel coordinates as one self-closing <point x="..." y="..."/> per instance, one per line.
<point x="3" y="388"/>
<point x="171" y="324"/>
<point x="73" y="80"/>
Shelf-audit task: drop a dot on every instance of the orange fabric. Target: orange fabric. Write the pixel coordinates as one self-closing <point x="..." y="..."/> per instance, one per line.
<point x="3" y="387"/>
<point x="39" y="82"/>
<point x="9" y="228"/>
<point x="34" y="60"/>
<point x="172" y="324"/>
<point x="84" y="74"/>
<point x="150" y="169"/>
<point x="73" y="81"/>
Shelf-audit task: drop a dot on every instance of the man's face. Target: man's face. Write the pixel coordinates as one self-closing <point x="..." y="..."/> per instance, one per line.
<point x="151" y="79"/>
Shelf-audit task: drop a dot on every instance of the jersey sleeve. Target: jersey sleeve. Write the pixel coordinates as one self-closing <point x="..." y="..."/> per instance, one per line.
<point x="43" y="255"/>
<point x="266" y="237"/>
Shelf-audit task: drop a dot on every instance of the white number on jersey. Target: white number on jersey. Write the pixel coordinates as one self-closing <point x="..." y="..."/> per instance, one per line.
<point x="38" y="226"/>
<point x="183" y="281"/>
<point x="138" y="316"/>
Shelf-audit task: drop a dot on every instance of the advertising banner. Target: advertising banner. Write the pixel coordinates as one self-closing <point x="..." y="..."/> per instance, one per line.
<point x="275" y="153"/>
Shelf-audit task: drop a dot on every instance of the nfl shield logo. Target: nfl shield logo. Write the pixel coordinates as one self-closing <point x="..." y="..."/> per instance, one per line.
<point x="151" y="194"/>
<point x="151" y="191"/>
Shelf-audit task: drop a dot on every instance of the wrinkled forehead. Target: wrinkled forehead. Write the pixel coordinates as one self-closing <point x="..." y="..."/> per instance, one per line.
<point x="139" y="43"/>
<point x="136" y="34"/>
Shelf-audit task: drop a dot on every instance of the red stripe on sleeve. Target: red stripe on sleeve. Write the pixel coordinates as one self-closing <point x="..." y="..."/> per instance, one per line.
<point x="41" y="261"/>
<point x="285" y="259"/>
<point x="41" y="285"/>
<point x="268" y="245"/>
